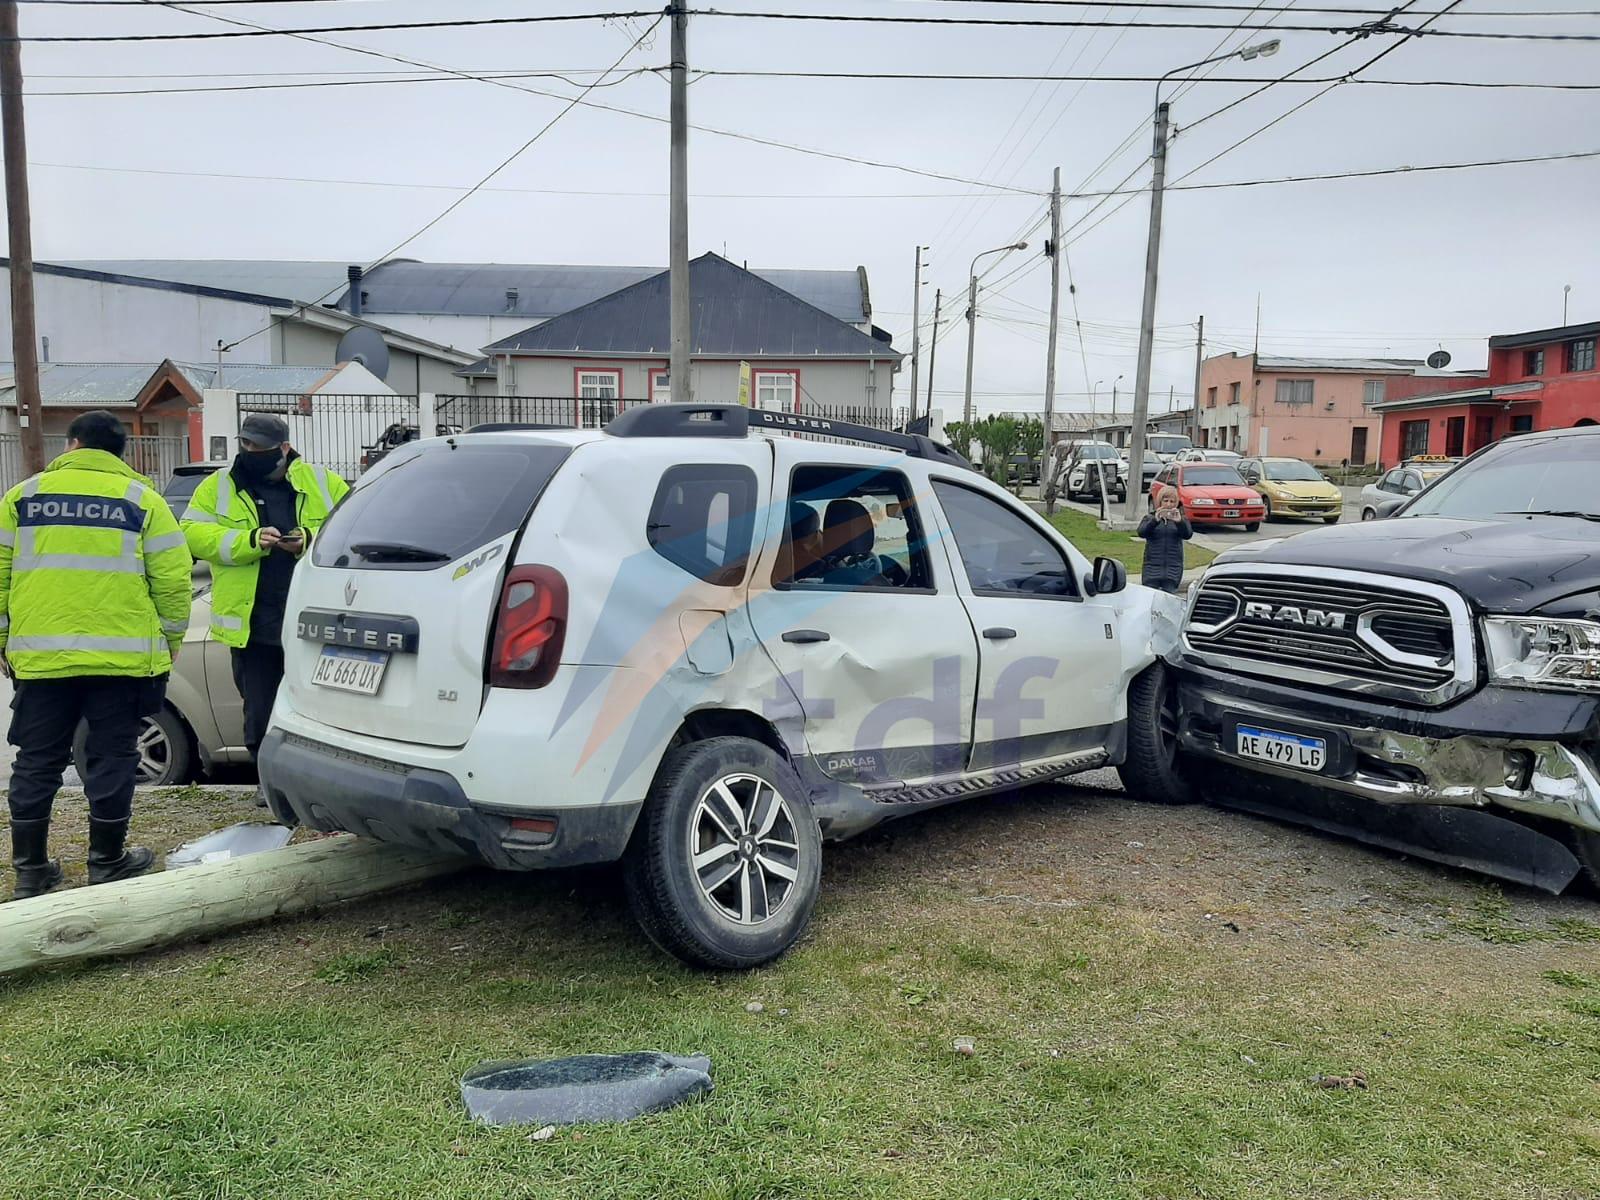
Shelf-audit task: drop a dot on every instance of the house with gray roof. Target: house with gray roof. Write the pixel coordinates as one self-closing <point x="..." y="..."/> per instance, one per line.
<point x="615" y="349"/>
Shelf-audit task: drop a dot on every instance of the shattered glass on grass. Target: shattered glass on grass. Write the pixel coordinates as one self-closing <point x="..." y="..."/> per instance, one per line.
<point x="582" y="1089"/>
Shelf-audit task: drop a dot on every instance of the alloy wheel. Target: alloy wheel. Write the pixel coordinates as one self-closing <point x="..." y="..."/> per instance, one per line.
<point x="155" y="752"/>
<point x="745" y="851"/>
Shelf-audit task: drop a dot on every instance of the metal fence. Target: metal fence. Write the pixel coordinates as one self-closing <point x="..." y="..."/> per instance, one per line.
<point x="156" y="457"/>
<point x="345" y="433"/>
<point x="465" y="411"/>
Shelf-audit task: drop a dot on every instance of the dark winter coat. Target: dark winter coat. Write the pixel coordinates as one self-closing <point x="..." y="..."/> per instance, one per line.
<point x="1163" y="551"/>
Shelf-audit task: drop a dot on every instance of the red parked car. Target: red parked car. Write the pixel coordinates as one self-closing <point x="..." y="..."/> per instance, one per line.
<point x="1212" y="494"/>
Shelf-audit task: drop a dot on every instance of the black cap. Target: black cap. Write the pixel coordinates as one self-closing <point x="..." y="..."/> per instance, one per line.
<point x="264" y="431"/>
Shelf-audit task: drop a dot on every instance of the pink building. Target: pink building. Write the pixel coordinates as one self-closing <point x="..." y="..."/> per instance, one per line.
<point x="1318" y="409"/>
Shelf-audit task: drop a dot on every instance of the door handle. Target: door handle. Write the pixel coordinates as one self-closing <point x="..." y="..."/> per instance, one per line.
<point x="803" y="637"/>
<point x="999" y="633"/>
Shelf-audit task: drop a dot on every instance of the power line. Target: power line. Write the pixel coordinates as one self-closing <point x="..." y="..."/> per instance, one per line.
<point x="1376" y="27"/>
<point x="1319" y="11"/>
<point x="340" y="83"/>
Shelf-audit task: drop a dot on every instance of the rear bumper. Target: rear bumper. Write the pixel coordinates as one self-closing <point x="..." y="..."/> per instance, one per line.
<point x="326" y="788"/>
<point x="1213" y="516"/>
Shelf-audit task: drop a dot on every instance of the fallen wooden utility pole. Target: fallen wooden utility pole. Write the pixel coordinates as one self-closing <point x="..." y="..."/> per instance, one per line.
<point x="171" y="906"/>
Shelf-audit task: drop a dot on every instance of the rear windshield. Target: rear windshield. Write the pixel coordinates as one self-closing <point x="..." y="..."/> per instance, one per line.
<point x="180" y="490"/>
<point x="437" y="505"/>
<point x="1167" y="443"/>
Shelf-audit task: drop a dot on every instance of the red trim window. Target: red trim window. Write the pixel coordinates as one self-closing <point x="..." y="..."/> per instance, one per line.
<point x="777" y="391"/>
<point x="592" y="383"/>
<point x="660" y="379"/>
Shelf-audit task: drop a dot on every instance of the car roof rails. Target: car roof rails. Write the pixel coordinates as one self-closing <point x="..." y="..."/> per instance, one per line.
<point x="736" y="421"/>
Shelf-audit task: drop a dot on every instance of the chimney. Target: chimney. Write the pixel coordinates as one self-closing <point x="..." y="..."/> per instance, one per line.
<point x="511" y="299"/>
<point x="356" y="294"/>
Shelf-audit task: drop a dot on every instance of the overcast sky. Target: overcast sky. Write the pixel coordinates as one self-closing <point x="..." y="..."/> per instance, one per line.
<point x="1397" y="265"/>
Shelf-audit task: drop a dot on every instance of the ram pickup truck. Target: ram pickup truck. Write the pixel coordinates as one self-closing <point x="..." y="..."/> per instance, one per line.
<point x="1429" y="682"/>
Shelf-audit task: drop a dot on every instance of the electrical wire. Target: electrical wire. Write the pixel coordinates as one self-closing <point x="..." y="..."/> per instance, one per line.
<point x="1208" y="7"/>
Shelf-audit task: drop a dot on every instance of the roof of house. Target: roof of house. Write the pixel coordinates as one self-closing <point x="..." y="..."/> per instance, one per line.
<point x="1507" y="393"/>
<point x="117" y="385"/>
<point x="459" y="289"/>
<point x="1539" y="337"/>
<point x="1266" y="362"/>
<point x="736" y="314"/>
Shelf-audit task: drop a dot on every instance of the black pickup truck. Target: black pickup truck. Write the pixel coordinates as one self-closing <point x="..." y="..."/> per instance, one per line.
<point x="1429" y="682"/>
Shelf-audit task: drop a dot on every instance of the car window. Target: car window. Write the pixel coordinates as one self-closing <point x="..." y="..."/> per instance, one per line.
<point x="1210" y="475"/>
<point x="1002" y="552"/>
<point x="180" y="490"/>
<point x="1514" y="477"/>
<point x="1293" y="472"/>
<point x="851" y="529"/>
<point x="436" y="506"/>
<point x="1391" y="481"/>
<point x="701" y="520"/>
<point x="1411" y="482"/>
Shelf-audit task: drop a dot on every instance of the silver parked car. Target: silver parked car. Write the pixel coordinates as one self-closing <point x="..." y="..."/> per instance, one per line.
<point x="1393" y="488"/>
<point x="201" y="726"/>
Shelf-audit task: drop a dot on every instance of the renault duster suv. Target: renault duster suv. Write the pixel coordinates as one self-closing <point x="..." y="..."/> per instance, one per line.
<point x="696" y="644"/>
<point x="1431" y="681"/>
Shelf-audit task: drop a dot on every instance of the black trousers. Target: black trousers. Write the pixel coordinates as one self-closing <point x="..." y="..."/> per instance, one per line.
<point x="257" y="671"/>
<point x="44" y="720"/>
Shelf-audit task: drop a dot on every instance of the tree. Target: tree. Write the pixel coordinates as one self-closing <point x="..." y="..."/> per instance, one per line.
<point x="999" y="437"/>
<point x="959" y="437"/>
<point x="1030" y="441"/>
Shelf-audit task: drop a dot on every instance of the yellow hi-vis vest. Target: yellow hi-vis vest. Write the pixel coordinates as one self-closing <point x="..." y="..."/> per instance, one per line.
<point x="94" y="572"/>
<point x="221" y="525"/>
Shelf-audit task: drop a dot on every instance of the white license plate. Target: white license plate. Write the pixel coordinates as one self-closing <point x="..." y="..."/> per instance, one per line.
<point x="350" y="669"/>
<point x="1230" y="512"/>
<point x="1284" y="749"/>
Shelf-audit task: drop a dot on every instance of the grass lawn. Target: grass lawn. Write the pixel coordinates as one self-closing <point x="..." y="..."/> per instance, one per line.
<point x="1083" y="532"/>
<point x="1153" y="993"/>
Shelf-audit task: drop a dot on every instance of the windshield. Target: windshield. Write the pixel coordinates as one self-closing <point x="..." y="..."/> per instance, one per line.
<point x="1289" y="472"/>
<point x="1096" y="452"/>
<point x="1167" y="443"/>
<point x="1520" y="476"/>
<point x="1211" y="475"/>
<point x="1221" y="456"/>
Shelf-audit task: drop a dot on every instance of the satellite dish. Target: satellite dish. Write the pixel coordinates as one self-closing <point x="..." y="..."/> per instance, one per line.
<point x="1439" y="359"/>
<point x="366" y="346"/>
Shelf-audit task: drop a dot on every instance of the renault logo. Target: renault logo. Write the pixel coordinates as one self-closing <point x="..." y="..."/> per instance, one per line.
<point x="349" y="593"/>
<point x="1289" y="614"/>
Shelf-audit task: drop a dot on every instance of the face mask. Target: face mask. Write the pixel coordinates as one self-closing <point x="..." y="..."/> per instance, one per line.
<point x="258" y="465"/>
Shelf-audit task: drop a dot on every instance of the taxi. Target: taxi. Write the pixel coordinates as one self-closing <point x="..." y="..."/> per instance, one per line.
<point x="1292" y="487"/>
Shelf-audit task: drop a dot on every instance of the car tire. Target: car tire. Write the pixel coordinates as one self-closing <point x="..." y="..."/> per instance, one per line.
<point x="1586" y="846"/>
<point x="1154" y="769"/>
<point x="1368" y="514"/>
<point x="166" y="751"/>
<point x="724" y="923"/>
<point x="1251" y="526"/>
<point x="1266" y="502"/>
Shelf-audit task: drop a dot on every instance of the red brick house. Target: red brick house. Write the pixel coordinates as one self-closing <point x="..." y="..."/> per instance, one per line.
<point x="1543" y="379"/>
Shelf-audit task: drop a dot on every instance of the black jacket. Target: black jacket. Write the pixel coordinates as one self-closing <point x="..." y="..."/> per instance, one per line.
<point x="1163" y="550"/>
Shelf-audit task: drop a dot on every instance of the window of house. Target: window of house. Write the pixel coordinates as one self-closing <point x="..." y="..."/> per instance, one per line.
<point x="1413" y="438"/>
<point x="1233" y="393"/>
<point x="854" y="530"/>
<point x="660" y="386"/>
<point x="1372" y="392"/>
<point x="701" y="520"/>
<point x="1533" y="362"/>
<point x="599" y="385"/>
<point x="778" y="391"/>
<point x="1002" y="552"/>
<point x="1580" y="355"/>
<point x="1211" y="397"/>
<point x="1522" y="423"/>
<point x="1294" y="391"/>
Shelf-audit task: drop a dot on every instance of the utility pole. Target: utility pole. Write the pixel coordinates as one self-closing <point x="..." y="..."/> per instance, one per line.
<point x="1199" y="357"/>
<point x="916" y="329"/>
<point x="24" y="339"/>
<point x="1147" y="320"/>
<point x="933" y="354"/>
<point x="972" y="338"/>
<point x="1054" y="251"/>
<point x="678" y="225"/>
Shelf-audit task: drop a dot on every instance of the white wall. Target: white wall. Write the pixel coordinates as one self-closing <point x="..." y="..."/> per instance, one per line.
<point x="822" y="382"/>
<point x="93" y="321"/>
<point x="467" y="333"/>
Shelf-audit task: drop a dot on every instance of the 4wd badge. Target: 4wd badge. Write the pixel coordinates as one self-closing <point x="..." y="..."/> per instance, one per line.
<point x="472" y="564"/>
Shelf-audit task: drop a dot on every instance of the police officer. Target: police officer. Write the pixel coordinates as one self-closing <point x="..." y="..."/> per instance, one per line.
<point x="252" y="523"/>
<point x="94" y="603"/>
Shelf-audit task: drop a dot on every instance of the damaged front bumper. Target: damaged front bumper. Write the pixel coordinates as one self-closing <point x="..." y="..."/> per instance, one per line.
<point x="1538" y="769"/>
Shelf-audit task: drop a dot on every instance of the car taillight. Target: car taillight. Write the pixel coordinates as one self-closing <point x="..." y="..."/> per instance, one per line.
<point x="529" y="628"/>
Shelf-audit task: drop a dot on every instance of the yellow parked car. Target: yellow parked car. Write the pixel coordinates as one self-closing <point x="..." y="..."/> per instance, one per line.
<point x="1293" y="488"/>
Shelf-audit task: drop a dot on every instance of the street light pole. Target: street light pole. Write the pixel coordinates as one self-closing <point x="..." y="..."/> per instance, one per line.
<point x="1152" y="261"/>
<point x="972" y="317"/>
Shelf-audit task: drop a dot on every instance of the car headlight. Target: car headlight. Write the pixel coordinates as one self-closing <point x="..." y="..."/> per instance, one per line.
<point x="1539" y="652"/>
<point x="1202" y="501"/>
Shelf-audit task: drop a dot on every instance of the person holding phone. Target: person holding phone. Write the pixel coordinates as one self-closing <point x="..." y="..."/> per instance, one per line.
<point x="252" y="523"/>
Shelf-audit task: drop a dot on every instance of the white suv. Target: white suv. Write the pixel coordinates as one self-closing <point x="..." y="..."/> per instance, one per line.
<point x="697" y="649"/>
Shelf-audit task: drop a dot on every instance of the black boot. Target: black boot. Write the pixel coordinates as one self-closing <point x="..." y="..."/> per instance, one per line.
<point x="108" y="860"/>
<point x="36" y="874"/>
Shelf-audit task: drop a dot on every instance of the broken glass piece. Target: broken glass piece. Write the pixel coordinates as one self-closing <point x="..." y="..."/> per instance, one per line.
<point x="588" y="1087"/>
<point x="248" y="837"/>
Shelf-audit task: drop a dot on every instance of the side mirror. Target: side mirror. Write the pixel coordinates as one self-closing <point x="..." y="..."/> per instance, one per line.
<point x="1109" y="576"/>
